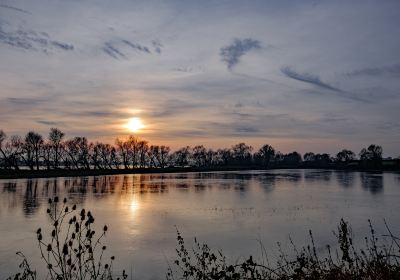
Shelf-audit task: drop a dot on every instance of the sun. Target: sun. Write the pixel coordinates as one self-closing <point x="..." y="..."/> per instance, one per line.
<point x="135" y="124"/>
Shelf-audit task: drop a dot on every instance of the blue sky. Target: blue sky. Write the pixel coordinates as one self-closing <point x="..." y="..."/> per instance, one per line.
<point x="300" y="75"/>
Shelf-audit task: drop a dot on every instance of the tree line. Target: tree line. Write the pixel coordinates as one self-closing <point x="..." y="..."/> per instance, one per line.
<point x="55" y="152"/>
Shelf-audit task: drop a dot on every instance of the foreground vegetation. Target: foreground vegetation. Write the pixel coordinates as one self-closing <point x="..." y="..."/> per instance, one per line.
<point x="73" y="250"/>
<point x="34" y="152"/>
<point x="376" y="260"/>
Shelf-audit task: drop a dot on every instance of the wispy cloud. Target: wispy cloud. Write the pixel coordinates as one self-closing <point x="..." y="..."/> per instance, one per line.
<point x="231" y="54"/>
<point x="32" y="40"/>
<point x="174" y="107"/>
<point x="308" y="78"/>
<point x="112" y="51"/>
<point x="13" y="8"/>
<point x="376" y="71"/>
<point x="137" y="46"/>
<point x="45" y="122"/>
<point x="157" y="45"/>
<point x="117" y="48"/>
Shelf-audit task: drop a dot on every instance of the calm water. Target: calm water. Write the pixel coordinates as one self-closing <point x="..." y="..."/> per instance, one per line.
<point x="228" y="210"/>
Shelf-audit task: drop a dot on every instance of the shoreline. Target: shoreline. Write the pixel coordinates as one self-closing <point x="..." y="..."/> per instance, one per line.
<point x="27" y="174"/>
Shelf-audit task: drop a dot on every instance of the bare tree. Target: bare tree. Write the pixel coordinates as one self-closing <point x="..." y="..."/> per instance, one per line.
<point x="265" y="154"/>
<point x="124" y="150"/>
<point x="33" y="146"/>
<point x="56" y="137"/>
<point x="242" y="153"/>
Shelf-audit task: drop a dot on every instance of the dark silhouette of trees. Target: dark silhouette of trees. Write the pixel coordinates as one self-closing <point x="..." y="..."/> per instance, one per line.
<point x="373" y="152"/>
<point x="33" y="147"/>
<point x="77" y="153"/>
<point x="345" y="156"/>
<point x="224" y="156"/>
<point x="11" y="150"/>
<point x="292" y="159"/>
<point x="241" y="153"/>
<point x="55" y="146"/>
<point x="199" y="154"/>
<point x="264" y="155"/>
<point x="181" y="157"/>
<point x="309" y="157"/>
<point x="34" y="152"/>
<point x="371" y="156"/>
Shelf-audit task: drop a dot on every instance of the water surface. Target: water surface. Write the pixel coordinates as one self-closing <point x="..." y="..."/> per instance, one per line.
<point x="231" y="211"/>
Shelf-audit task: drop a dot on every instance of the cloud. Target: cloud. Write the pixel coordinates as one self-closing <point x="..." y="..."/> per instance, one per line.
<point x="137" y="46"/>
<point x="24" y="101"/>
<point x="157" y="45"/>
<point x="308" y="78"/>
<point x="49" y="122"/>
<point x="174" y="107"/>
<point x="13" y="8"/>
<point x="376" y="71"/>
<point x="117" y="48"/>
<point x="112" y="51"/>
<point x="32" y="40"/>
<point x="231" y="54"/>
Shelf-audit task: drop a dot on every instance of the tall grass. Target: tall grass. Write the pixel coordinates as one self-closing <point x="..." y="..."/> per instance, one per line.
<point x="376" y="260"/>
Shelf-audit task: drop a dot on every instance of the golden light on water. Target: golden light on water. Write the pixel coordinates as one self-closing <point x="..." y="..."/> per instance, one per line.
<point x="134" y="206"/>
<point x="135" y="124"/>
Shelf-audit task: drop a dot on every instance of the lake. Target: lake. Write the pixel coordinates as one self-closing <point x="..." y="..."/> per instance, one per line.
<point x="231" y="211"/>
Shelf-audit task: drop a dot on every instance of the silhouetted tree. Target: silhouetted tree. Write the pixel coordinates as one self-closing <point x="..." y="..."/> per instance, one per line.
<point x="32" y="148"/>
<point x="292" y="159"/>
<point x="47" y="152"/>
<point x="310" y="156"/>
<point x="124" y="150"/>
<point x="77" y="153"/>
<point x="199" y="154"/>
<point x="242" y="153"/>
<point x="11" y="151"/>
<point x="3" y="158"/>
<point x="181" y="156"/>
<point x="373" y="152"/>
<point x="322" y="159"/>
<point x="143" y="148"/>
<point x="56" y="137"/>
<point x="372" y="156"/>
<point x="345" y="156"/>
<point x="265" y="154"/>
<point x="224" y="156"/>
<point x="164" y="156"/>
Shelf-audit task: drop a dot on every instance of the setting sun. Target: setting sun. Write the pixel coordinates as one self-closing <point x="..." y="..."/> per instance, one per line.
<point x="135" y="124"/>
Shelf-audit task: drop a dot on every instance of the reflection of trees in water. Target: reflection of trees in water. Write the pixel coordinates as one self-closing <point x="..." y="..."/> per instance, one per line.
<point x="10" y="192"/>
<point x="372" y="182"/>
<point x="78" y="189"/>
<point x="345" y="178"/>
<point x="31" y="201"/>
<point x="320" y="175"/>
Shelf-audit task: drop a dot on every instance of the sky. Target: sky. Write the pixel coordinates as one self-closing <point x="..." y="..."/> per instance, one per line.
<point x="299" y="75"/>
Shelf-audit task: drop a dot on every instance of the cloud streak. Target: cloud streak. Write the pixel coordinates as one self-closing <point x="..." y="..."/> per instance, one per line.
<point x="14" y="8"/>
<point x="308" y="78"/>
<point x="232" y="53"/>
<point x="32" y="40"/>
<point x="376" y="71"/>
<point x="117" y="49"/>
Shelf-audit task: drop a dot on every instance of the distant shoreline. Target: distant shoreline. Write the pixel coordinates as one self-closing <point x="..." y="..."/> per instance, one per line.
<point x="22" y="174"/>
